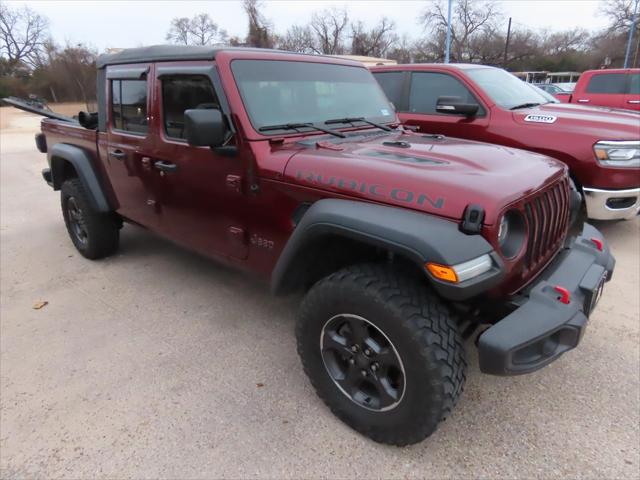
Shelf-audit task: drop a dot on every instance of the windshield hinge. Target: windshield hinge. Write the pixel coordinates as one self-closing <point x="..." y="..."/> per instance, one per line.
<point x="472" y="219"/>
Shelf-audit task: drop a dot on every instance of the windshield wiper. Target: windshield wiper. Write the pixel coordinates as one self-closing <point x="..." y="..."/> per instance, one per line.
<point x="358" y="119"/>
<point x="296" y="126"/>
<point x="526" y="105"/>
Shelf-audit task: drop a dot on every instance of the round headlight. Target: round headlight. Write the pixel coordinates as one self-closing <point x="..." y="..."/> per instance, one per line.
<point x="511" y="233"/>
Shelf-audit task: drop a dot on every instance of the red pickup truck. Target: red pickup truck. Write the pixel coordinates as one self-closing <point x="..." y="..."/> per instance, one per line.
<point x="295" y="168"/>
<point x="600" y="146"/>
<point x="615" y="88"/>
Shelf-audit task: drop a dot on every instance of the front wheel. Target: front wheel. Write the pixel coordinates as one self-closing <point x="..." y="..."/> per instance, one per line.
<point x="382" y="352"/>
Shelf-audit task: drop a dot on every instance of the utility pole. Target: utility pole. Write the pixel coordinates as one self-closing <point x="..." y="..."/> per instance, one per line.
<point x="631" y="30"/>
<point x="506" y="45"/>
<point x="447" y="49"/>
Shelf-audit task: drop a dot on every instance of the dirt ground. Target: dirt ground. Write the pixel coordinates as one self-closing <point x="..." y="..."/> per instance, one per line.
<point x="147" y="365"/>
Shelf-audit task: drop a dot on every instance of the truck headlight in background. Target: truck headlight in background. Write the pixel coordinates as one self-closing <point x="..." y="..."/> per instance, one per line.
<point x="618" y="153"/>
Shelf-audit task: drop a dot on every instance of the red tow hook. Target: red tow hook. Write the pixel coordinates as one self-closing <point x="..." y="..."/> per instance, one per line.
<point x="565" y="296"/>
<point x="597" y="242"/>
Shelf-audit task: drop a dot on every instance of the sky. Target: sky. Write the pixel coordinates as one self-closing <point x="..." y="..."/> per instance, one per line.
<point x="131" y="23"/>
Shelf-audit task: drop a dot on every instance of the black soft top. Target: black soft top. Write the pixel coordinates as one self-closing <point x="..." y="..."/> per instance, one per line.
<point x="168" y="53"/>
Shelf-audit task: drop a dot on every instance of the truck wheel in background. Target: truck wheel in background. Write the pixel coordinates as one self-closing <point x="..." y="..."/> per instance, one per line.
<point x="382" y="351"/>
<point x="94" y="234"/>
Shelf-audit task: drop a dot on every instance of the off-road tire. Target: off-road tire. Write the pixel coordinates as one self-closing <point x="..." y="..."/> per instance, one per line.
<point x="420" y="327"/>
<point x="101" y="231"/>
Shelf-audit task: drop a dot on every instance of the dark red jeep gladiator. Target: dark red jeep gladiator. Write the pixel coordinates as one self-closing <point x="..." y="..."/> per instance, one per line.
<point x="296" y="169"/>
<point x="601" y="146"/>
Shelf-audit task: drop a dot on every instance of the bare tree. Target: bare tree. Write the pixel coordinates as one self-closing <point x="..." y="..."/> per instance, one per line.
<point x="199" y="30"/>
<point x="556" y="43"/>
<point x="66" y="74"/>
<point x="329" y="27"/>
<point x="23" y="34"/>
<point x="403" y="50"/>
<point x="204" y="31"/>
<point x="259" y="35"/>
<point x="298" y="39"/>
<point x="374" y="42"/>
<point x="620" y="15"/>
<point x="470" y="20"/>
<point x="609" y="46"/>
<point x="179" y="31"/>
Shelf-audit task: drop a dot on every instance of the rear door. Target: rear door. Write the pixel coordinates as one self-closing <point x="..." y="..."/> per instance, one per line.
<point x="424" y="90"/>
<point x="200" y="189"/>
<point x="130" y="143"/>
<point x="632" y="97"/>
<point x="604" y="89"/>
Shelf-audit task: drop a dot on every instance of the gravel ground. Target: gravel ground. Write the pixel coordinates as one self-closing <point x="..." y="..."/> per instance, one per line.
<point x="147" y="364"/>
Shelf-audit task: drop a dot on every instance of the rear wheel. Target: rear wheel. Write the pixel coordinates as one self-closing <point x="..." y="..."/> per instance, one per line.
<point x="94" y="234"/>
<point x="382" y="351"/>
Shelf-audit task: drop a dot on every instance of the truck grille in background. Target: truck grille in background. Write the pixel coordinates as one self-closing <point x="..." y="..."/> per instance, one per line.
<point x="548" y="219"/>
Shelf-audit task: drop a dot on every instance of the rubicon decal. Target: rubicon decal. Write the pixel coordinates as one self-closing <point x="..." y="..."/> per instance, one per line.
<point x="540" y="118"/>
<point x="384" y="192"/>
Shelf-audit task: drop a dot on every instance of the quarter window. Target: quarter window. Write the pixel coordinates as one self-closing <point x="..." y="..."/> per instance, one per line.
<point x="129" y="105"/>
<point x="427" y="87"/>
<point x="607" y="83"/>
<point x="185" y="93"/>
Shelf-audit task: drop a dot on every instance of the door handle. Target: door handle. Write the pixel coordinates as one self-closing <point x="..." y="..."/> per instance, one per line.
<point x="119" y="154"/>
<point x="165" y="166"/>
<point x="634" y="102"/>
<point x="583" y="100"/>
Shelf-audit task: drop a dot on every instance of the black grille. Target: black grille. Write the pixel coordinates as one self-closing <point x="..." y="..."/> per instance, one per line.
<point x="547" y="216"/>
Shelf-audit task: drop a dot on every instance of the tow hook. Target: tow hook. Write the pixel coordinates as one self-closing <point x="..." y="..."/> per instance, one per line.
<point x="565" y="296"/>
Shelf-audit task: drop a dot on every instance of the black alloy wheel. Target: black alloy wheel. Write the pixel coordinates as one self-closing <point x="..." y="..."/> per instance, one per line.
<point x="76" y="220"/>
<point x="362" y="362"/>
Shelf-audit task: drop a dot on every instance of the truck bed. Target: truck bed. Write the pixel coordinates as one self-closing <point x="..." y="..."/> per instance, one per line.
<point x="58" y="131"/>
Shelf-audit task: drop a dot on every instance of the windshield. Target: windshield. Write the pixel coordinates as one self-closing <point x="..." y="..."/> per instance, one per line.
<point x="282" y="92"/>
<point x="505" y="89"/>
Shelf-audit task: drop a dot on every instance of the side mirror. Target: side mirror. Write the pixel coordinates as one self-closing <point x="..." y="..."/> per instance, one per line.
<point x="204" y="127"/>
<point x="455" y="106"/>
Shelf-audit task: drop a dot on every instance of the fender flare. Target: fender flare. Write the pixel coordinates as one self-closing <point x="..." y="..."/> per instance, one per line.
<point x="83" y="164"/>
<point x="417" y="236"/>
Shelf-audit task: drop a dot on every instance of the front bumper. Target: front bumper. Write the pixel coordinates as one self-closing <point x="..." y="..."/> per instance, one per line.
<point x="542" y="327"/>
<point x="612" y="204"/>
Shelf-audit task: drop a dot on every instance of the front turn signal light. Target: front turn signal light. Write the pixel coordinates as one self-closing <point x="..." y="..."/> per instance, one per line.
<point x="442" y="272"/>
<point x="462" y="271"/>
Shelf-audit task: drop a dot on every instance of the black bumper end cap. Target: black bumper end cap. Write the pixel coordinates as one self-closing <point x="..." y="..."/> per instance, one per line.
<point x="46" y="174"/>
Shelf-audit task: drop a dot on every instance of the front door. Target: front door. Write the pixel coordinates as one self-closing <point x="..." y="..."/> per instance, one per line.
<point x="199" y="189"/>
<point x="424" y="91"/>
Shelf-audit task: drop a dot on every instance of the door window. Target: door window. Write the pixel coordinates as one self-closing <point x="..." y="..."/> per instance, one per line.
<point x="129" y="105"/>
<point x="182" y="93"/>
<point x="607" y="83"/>
<point x="392" y="83"/>
<point x="427" y="87"/>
